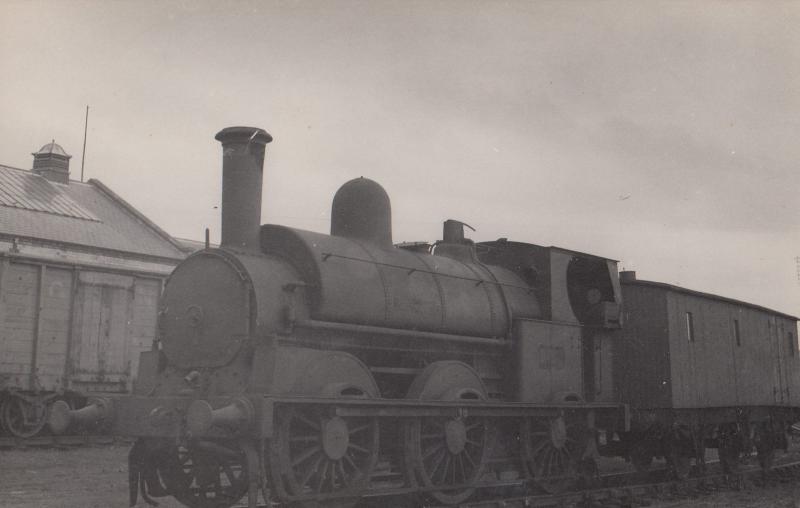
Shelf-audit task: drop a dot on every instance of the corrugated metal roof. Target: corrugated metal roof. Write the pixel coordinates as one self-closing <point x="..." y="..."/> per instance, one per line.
<point x="85" y="214"/>
<point x="190" y="246"/>
<point x="23" y="189"/>
<point x="692" y="292"/>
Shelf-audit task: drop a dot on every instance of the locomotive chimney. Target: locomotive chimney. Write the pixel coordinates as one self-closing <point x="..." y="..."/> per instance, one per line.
<point x="242" y="175"/>
<point x="627" y="276"/>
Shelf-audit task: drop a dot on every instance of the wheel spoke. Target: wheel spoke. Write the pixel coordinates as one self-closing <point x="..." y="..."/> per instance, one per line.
<point x="321" y="480"/>
<point x="539" y="447"/>
<point x="438" y="462"/>
<point x="563" y="461"/>
<point x="432" y="450"/>
<point x="360" y="428"/>
<point x="310" y="423"/>
<point x="468" y="457"/>
<point x="310" y="452"/>
<point x="358" y="448"/>
<point x="446" y="467"/>
<point x="333" y="473"/>
<point x="343" y="474"/>
<point x="549" y="461"/>
<point x="310" y="472"/>
<point x="229" y="473"/>
<point x="460" y="458"/>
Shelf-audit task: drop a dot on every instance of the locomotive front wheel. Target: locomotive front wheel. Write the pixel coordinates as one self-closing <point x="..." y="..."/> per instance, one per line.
<point x="552" y="448"/>
<point x="319" y="455"/>
<point x="23" y="418"/>
<point x="447" y="452"/>
<point x="206" y="474"/>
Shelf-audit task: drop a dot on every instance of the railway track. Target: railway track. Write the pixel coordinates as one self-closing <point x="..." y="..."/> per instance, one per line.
<point x="620" y="490"/>
<point x="647" y="494"/>
<point x="65" y="441"/>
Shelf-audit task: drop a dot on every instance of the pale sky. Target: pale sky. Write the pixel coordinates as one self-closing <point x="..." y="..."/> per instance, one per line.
<point x="663" y="135"/>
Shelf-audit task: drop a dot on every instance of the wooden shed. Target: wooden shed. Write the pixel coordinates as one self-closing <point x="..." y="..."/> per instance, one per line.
<point x="81" y="273"/>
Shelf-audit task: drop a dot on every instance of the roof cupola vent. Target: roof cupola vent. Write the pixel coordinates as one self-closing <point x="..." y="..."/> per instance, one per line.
<point x="52" y="163"/>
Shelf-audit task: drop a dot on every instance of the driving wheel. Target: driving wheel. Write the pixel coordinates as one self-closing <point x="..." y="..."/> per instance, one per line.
<point x="447" y="455"/>
<point x="552" y="448"/>
<point x="325" y="458"/>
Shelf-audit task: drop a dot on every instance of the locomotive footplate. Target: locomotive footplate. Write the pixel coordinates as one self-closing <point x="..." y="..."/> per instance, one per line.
<point x="309" y="449"/>
<point x="255" y="416"/>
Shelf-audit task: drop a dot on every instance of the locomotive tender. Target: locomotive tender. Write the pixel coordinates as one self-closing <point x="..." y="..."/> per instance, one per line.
<point x="320" y="369"/>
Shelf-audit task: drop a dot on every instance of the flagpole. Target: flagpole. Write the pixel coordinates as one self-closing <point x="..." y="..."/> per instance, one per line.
<point x="85" y="129"/>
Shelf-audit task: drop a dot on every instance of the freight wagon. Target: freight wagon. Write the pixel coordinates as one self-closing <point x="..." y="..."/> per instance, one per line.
<point x="709" y="371"/>
<point x="81" y="273"/>
<point x="67" y="333"/>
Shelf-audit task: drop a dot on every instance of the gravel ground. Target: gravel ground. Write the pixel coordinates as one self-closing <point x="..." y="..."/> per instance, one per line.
<point x="86" y="477"/>
<point x="96" y="477"/>
<point x="780" y="496"/>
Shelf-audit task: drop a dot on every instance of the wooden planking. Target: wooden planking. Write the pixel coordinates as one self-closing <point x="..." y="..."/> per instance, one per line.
<point x="18" y="313"/>
<point x="91" y="327"/>
<point x="102" y="330"/>
<point x="641" y="360"/>
<point x="755" y="357"/>
<point x="143" y="324"/>
<point x="53" y="331"/>
<point x="793" y="363"/>
<point x="714" y="370"/>
<point x="91" y="278"/>
<point x="119" y="316"/>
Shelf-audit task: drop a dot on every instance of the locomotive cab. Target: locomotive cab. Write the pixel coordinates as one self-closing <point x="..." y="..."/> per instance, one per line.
<point x="568" y="354"/>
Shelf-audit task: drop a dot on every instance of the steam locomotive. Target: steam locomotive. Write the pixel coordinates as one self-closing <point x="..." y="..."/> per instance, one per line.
<point x="322" y="369"/>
